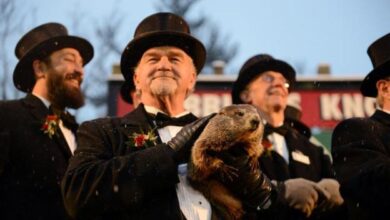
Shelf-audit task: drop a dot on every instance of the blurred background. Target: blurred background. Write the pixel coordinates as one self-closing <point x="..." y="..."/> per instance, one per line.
<point x="329" y="36"/>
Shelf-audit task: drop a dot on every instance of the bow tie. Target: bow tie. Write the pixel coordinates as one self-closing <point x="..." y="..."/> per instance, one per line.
<point x="163" y="120"/>
<point x="67" y="119"/>
<point x="282" y="130"/>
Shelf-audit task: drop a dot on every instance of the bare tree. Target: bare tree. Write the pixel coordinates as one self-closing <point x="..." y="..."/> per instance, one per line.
<point x="217" y="46"/>
<point x="107" y="50"/>
<point x="10" y="22"/>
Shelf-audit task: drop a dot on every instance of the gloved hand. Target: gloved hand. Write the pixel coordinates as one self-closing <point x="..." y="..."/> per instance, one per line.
<point x="251" y="185"/>
<point x="333" y="188"/>
<point x="186" y="137"/>
<point x="303" y="194"/>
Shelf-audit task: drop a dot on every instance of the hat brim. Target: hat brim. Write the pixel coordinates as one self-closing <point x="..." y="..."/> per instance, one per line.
<point x="257" y="69"/>
<point x="23" y="76"/>
<point x="368" y="85"/>
<point x="136" y="48"/>
<point x="125" y="91"/>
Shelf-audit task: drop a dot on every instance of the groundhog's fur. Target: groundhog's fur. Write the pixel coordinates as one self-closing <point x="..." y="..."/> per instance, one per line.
<point x="234" y="126"/>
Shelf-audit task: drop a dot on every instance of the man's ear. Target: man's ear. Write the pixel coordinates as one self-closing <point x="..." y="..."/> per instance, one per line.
<point x="39" y="69"/>
<point x="245" y="97"/>
<point x="383" y="88"/>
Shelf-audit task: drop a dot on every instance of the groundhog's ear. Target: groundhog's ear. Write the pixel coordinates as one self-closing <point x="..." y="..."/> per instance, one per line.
<point x="244" y="96"/>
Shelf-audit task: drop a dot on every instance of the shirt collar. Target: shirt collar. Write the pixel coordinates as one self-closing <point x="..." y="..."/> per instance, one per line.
<point x="153" y="110"/>
<point x="45" y="101"/>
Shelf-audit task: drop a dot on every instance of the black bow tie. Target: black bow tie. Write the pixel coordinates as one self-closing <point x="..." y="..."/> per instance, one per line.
<point x="282" y="130"/>
<point x="163" y="120"/>
<point x="67" y="119"/>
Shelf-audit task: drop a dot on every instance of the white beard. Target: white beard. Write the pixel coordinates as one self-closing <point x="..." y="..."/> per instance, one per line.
<point x="163" y="87"/>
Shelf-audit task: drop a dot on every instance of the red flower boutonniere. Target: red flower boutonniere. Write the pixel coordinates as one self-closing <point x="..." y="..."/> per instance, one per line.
<point x="267" y="145"/>
<point x="142" y="140"/>
<point x="50" y="125"/>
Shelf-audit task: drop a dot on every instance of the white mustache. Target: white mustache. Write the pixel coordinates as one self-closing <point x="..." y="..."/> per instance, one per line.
<point x="165" y="74"/>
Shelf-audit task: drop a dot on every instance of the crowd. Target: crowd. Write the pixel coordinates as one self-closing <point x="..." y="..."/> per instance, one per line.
<point x="135" y="166"/>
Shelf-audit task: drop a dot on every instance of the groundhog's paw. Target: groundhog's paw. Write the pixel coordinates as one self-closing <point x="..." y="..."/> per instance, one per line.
<point x="228" y="172"/>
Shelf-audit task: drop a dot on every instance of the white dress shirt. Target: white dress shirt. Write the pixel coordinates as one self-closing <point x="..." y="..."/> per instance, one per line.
<point x="68" y="134"/>
<point x="192" y="203"/>
<point x="279" y="145"/>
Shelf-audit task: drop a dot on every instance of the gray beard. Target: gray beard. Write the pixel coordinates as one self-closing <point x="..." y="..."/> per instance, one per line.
<point x="163" y="89"/>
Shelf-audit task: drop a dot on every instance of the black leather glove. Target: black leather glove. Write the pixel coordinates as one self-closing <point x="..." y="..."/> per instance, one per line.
<point x="186" y="137"/>
<point x="251" y="185"/>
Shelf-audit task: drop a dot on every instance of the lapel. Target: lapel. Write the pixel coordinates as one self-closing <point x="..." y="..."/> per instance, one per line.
<point x="138" y="121"/>
<point x="382" y="117"/>
<point x="39" y="112"/>
<point x="301" y="163"/>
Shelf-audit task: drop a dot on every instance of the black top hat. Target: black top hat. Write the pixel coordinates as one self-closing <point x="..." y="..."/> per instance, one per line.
<point x="379" y="53"/>
<point x="161" y="29"/>
<point x="39" y="43"/>
<point x="255" y="66"/>
<point x="125" y="90"/>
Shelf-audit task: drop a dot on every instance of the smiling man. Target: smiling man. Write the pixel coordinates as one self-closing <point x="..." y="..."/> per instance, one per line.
<point x="311" y="192"/>
<point x="37" y="134"/>
<point x="134" y="167"/>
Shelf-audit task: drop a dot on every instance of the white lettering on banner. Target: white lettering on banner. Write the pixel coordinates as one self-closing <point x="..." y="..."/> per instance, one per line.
<point x="352" y="105"/>
<point x="333" y="106"/>
<point x="341" y="106"/>
<point x="330" y="107"/>
<point x="369" y="105"/>
<point x="207" y="103"/>
<point x="192" y="104"/>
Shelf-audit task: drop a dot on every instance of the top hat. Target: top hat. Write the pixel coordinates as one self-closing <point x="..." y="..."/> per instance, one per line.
<point x="39" y="43"/>
<point x="161" y="29"/>
<point x="254" y="67"/>
<point x="379" y="53"/>
<point x="125" y="90"/>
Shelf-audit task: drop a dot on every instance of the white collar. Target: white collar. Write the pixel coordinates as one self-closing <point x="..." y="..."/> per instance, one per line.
<point x="154" y="110"/>
<point x="45" y="101"/>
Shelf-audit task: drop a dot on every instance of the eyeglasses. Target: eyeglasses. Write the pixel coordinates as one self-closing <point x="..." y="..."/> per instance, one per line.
<point x="270" y="79"/>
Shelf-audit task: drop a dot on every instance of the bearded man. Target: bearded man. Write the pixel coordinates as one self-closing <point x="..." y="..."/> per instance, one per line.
<point x="37" y="134"/>
<point x="134" y="167"/>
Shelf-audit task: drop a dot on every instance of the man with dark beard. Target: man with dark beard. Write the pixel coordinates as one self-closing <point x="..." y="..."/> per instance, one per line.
<point x="37" y="134"/>
<point x="134" y="167"/>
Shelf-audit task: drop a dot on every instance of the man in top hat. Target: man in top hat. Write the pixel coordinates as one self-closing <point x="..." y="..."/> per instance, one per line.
<point x="361" y="146"/>
<point x="37" y="134"/>
<point x="289" y="156"/>
<point x="134" y="167"/>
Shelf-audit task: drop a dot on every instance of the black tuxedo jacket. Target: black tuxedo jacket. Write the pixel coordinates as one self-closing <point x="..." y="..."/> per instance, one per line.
<point x="31" y="164"/>
<point x="361" y="152"/>
<point x="309" y="162"/>
<point x="109" y="178"/>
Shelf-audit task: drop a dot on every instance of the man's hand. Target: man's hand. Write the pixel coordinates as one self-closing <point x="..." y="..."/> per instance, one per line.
<point x="303" y="194"/>
<point x="186" y="137"/>
<point x="251" y="185"/>
<point x="333" y="188"/>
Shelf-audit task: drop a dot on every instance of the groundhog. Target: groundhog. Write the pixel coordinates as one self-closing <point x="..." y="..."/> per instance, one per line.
<point x="235" y="126"/>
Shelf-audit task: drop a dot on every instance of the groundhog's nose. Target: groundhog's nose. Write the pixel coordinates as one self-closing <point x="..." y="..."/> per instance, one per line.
<point x="255" y="123"/>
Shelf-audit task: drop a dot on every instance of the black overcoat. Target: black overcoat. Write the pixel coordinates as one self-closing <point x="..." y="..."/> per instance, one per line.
<point x="109" y="178"/>
<point x="309" y="162"/>
<point x="31" y="164"/>
<point x="361" y="153"/>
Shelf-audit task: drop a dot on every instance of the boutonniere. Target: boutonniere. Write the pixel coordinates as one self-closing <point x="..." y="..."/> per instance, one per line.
<point x="50" y="125"/>
<point x="267" y="146"/>
<point x="139" y="140"/>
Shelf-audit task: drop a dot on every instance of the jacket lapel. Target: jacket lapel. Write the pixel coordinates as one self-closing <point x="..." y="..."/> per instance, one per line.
<point x="382" y="117"/>
<point x="138" y="120"/>
<point x="39" y="112"/>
